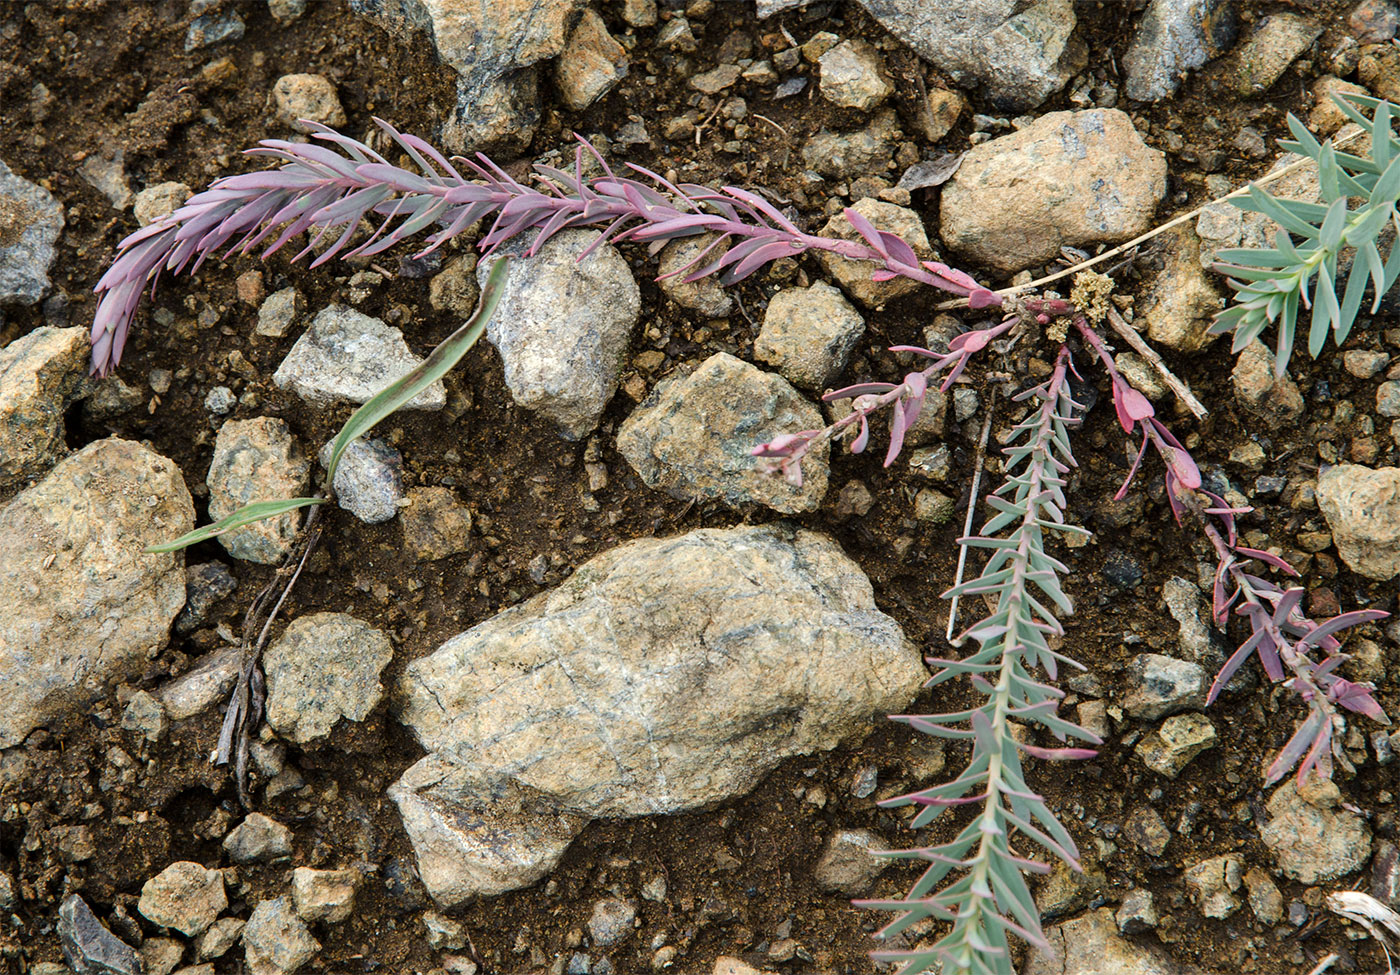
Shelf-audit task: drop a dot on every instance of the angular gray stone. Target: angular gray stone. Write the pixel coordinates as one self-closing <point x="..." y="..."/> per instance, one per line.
<point x="1173" y="37"/>
<point x="206" y="683"/>
<point x="41" y="374"/>
<point x="611" y="920"/>
<point x="852" y="76"/>
<point x="493" y="48"/>
<point x="1265" y="899"/>
<point x="222" y="935"/>
<point x="435" y="524"/>
<point x="1275" y="44"/>
<point x="848" y="864"/>
<point x="1068" y="178"/>
<point x="158" y="201"/>
<point x="184" y="896"/>
<point x="1213" y="883"/>
<point x="205" y="585"/>
<point x="30" y="222"/>
<point x="84" y="605"/>
<point x="1137" y="913"/>
<point x="1181" y="299"/>
<point x="1362" y="508"/>
<point x="470" y="841"/>
<point x="693" y="437"/>
<point x="563" y="326"/>
<point x="256" y="460"/>
<point x="1311" y="837"/>
<point x="88" y="946"/>
<point x="1091" y="945"/>
<point x="592" y="63"/>
<point x="368" y="479"/>
<point x="324" y="895"/>
<point x="1017" y="53"/>
<point x="276" y="942"/>
<point x="258" y="839"/>
<point x="663" y="675"/>
<point x="808" y="334"/>
<point x="322" y="668"/>
<point x="1159" y="686"/>
<point x="1169" y="749"/>
<point x="145" y="716"/>
<point x="279" y="311"/>
<point x="213" y="28"/>
<point x="1269" y="397"/>
<point x="347" y="357"/>
<point x="847" y="155"/>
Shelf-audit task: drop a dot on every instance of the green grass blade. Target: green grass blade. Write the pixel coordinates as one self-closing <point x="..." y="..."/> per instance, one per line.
<point x="438" y="363"/>
<point x="246" y="515"/>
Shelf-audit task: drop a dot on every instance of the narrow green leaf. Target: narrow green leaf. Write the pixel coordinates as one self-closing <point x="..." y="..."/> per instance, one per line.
<point x="1325" y="311"/>
<point x="1307" y="142"/>
<point x="1369" y="255"/>
<point x="438" y="363"/>
<point x="1351" y="300"/>
<point x="1330" y="236"/>
<point x="1256" y="257"/>
<point x="1261" y="202"/>
<point x="246" y="515"/>
<point x="1287" y="327"/>
<point x="1380" y="136"/>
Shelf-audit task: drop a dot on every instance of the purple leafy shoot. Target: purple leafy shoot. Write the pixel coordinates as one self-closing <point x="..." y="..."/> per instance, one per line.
<point x="329" y="188"/>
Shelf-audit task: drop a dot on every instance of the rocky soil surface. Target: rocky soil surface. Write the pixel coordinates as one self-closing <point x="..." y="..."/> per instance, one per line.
<point x="571" y="686"/>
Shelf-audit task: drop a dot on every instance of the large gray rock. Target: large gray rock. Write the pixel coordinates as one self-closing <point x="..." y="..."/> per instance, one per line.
<point x="563" y="326"/>
<point x="1091" y="945"/>
<point x="84" y="606"/>
<point x="493" y="48"/>
<point x="347" y="357"/>
<point x="1362" y="507"/>
<point x="30" y="222"/>
<point x="256" y="460"/>
<point x="40" y="375"/>
<point x="1018" y="53"/>
<point x="1071" y="178"/>
<point x="1173" y="37"/>
<point x="693" y="436"/>
<point x="322" y="668"/>
<point x="1311" y="836"/>
<point x="663" y="676"/>
<point x="1275" y="44"/>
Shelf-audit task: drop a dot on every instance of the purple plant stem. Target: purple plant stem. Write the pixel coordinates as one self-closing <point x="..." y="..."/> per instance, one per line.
<point x="325" y="192"/>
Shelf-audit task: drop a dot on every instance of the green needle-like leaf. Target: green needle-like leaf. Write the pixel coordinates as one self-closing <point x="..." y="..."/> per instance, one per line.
<point x="246" y="515"/>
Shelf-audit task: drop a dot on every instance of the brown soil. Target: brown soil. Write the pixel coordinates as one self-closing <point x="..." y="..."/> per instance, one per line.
<point x="739" y="876"/>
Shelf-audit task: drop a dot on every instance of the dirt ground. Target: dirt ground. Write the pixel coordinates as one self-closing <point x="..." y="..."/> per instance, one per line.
<point x="739" y="877"/>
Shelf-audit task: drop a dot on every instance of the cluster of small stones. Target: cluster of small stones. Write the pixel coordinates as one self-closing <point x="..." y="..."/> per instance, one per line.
<point x="1025" y="189"/>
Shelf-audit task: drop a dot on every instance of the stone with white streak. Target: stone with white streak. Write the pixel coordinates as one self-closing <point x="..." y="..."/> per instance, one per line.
<point x="563" y="325"/>
<point x="347" y="357"/>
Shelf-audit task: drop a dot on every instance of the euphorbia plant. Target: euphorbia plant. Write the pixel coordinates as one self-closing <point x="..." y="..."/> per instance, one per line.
<point x="336" y="186"/>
